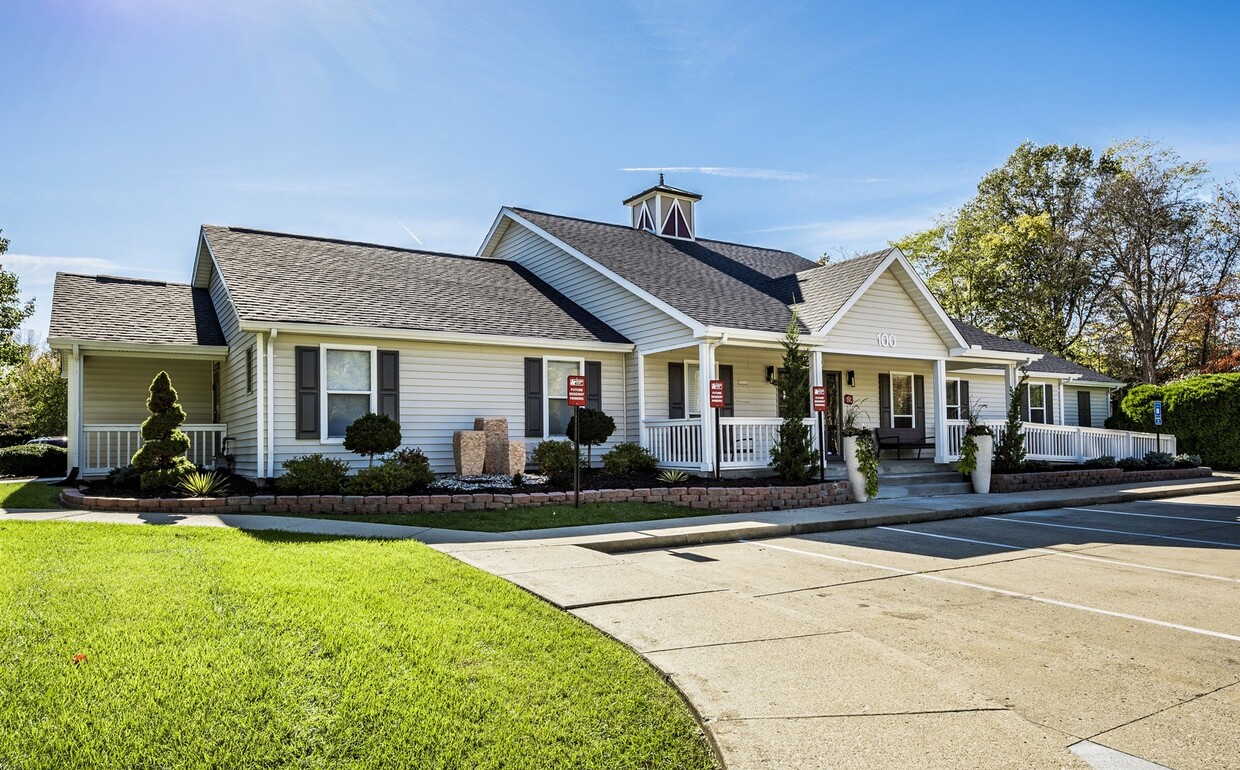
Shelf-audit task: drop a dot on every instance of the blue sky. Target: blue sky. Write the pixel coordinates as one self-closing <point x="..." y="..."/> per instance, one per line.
<point x="826" y="127"/>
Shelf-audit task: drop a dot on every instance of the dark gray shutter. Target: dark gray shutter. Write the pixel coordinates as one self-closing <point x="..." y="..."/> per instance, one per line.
<point x="725" y="375"/>
<point x="594" y="385"/>
<point x="965" y="404"/>
<point x="1024" y="402"/>
<point x="308" y="396"/>
<point x="1049" y="401"/>
<point x="533" y="397"/>
<point x="919" y="403"/>
<point x="675" y="391"/>
<point x="1084" y="409"/>
<point x="389" y="384"/>
<point x="884" y="401"/>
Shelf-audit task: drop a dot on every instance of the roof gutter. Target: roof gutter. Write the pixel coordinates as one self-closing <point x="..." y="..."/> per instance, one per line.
<point x="142" y="349"/>
<point x="417" y="335"/>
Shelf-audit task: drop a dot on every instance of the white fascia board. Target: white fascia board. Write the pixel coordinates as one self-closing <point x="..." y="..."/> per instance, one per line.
<point x="215" y="267"/>
<point x="981" y="354"/>
<point x="1097" y="384"/>
<point x="696" y="327"/>
<point x="137" y="349"/>
<point x="742" y="336"/>
<point x="896" y="257"/>
<point x="416" y="335"/>
<point x="202" y="239"/>
<point x="493" y="235"/>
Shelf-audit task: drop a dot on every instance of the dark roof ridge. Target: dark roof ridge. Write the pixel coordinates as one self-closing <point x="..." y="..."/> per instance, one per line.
<point x="849" y="261"/>
<point x="346" y="242"/>
<point x="126" y="278"/>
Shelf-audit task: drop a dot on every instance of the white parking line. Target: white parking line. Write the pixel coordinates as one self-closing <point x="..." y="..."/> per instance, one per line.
<point x="1142" y="535"/>
<point x="1063" y="554"/>
<point x="1002" y="591"/>
<point x="1154" y="516"/>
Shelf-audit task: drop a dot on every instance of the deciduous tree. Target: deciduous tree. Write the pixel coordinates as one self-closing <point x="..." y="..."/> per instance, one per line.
<point x="12" y="313"/>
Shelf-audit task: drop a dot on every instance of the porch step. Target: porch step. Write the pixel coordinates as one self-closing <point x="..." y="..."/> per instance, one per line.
<point x="887" y="490"/>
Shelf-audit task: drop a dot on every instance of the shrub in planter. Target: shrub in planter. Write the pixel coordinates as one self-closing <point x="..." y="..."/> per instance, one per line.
<point x="372" y="434"/>
<point x="161" y="458"/>
<point x="1131" y="464"/>
<point x="596" y="428"/>
<point x="390" y="477"/>
<point x="125" y="477"/>
<point x="33" y="460"/>
<point x="1099" y="463"/>
<point x="313" y="475"/>
<point x="1157" y="461"/>
<point x="1187" y="461"/>
<point x="628" y="458"/>
<point x="555" y="457"/>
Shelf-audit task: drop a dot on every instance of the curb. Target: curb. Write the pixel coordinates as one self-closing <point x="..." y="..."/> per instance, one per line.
<point x="707" y="535"/>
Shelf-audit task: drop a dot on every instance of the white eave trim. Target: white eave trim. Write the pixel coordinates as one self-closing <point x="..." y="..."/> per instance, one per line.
<point x="150" y="350"/>
<point x="696" y="327"/>
<point x="999" y="356"/>
<point x="416" y="335"/>
<point x="897" y="257"/>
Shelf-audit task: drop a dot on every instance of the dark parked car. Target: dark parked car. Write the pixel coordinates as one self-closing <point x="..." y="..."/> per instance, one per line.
<point x="60" y="441"/>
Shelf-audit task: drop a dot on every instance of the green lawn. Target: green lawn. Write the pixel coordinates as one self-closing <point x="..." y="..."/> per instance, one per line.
<point x="28" y="494"/>
<point x="219" y="648"/>
<point x="514" y="519"/>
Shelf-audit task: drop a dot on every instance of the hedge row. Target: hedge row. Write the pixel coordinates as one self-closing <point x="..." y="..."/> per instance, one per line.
<point x="33" y="460"/>
<point x="1203" y="412"/>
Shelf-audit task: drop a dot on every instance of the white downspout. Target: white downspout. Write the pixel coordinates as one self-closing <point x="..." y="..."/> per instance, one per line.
<point x="271" y="401"/>
<point x="641" y="401"/>
<point x="73" y="374"/>
<point x="260" y="409"/>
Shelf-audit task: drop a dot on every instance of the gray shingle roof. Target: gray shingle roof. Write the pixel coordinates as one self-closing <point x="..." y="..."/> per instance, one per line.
<point x="132" y="310"/>
<point x="821" y="291"/>
<point x="277" y="277"/>
<point x="1049" y="363"/>
<point x="714" y="282"/>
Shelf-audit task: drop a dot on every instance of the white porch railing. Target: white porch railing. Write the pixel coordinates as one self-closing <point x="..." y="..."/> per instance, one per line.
<point x="105" y="447"/>
<point x="1068" y="443"/>
<point x="677" y="443"/>
<point x="745" y="441"/>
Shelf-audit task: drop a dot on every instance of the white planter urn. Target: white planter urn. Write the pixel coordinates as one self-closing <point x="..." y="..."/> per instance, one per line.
<point x="856" y="479"/>
<point x="985" y="459"/>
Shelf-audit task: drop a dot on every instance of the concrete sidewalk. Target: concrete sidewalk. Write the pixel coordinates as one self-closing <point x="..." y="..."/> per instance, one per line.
<point x="673" y="533"/>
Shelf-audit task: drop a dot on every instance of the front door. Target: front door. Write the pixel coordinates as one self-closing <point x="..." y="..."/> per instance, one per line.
<point x="834" y="416"/>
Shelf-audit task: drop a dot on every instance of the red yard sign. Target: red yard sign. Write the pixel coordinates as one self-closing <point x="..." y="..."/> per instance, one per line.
<point x="576" y="390"/>
<point x="716" y="394"/>
<point x="820" y="398"/>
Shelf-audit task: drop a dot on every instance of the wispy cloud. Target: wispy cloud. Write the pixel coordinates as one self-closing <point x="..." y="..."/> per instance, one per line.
<point x="856" y="230"/>
<point x="743" y="173"/>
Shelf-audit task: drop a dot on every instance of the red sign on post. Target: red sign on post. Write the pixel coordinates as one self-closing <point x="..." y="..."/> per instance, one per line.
<point x="716" y="394"/>
<point x="820" y="398"/>
<point x="576" y="390"/>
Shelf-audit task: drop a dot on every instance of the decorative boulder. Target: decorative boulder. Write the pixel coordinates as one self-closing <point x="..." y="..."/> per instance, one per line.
<point x="496" y="430"/>
<point x="469" y="450"/>
<point x="516" y="458"/>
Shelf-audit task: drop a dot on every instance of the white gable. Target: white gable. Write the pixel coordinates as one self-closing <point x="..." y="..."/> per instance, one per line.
<point x="886" y="320"/>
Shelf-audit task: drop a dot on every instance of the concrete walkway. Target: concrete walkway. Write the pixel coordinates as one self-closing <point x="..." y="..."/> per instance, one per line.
<point x="671" y="533"/>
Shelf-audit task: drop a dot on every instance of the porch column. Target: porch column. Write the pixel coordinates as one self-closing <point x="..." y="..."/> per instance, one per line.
<point x="940" y="411"/>
<point x="260" y="409"/>
<point x="1009" y="382"/>
<point x="706" y="372"/>
<point x="73" y="373"/>
<point x="641" y="400"/>
<point x="815" y="379"/>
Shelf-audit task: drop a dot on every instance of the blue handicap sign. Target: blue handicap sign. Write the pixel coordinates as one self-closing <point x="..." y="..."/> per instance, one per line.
<point x="1158" y="413"/>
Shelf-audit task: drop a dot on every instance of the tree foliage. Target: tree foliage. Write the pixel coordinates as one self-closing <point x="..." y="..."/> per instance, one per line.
<point x="34" y="397"/>
<point x="1202" y="412"/>
<point x="596" y="428"/>
<point x="12" y="313"/>
<point x="161" y="459"/>
<point x="1010" y="448"/>
<point x="792" y="455"/>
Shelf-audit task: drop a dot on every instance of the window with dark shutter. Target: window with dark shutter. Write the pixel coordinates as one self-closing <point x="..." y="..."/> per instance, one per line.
<point x="389" y="384"/>
<point x="307" y="381"/>
<point x="725" y="376"/>
<point x="675" y="391"/>
<point x="533" y="397"/>
<point x="884" y="400"/>
<point x="1050" y="405"/>
<point x="594" y="385"/>
<point x="965" y="403"/>
<point x="919" y="399"/>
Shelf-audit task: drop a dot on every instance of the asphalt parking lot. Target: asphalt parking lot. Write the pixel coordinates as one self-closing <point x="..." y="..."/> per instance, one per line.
<point x="1105" y="637"/>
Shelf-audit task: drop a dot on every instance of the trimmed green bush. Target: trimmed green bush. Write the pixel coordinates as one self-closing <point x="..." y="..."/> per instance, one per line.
<point x="555" y="458"/>
<point x="596" y="428"/>
<point x="390" y="477"/>
<point x="1106" y="461"/>
<point x="372" y="434"/>
<point x="313" y="475"/>
<point x="1203" y="413"/>
<point x="125" y="477"/>
<point x="1131" y="464"/>
<point x="33" y="460"/>
<point x="161" y="458"/>
<point x="1187" y="461"/>
<point x="627" y="458"/>
<point x="1158" y="461"/>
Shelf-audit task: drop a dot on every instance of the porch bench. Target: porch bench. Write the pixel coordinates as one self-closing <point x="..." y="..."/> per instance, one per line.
<point x="900" y="439"/>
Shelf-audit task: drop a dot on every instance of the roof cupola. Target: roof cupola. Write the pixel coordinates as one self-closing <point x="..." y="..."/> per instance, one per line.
<point x="664" y="210"/>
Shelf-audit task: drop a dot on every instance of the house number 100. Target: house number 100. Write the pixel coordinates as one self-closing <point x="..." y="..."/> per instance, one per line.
<point x="886" y="340"/>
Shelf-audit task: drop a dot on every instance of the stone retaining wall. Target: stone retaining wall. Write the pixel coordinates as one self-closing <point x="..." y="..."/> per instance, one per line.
<point x="723" y="499"/>
<point x="1087" y="477"/>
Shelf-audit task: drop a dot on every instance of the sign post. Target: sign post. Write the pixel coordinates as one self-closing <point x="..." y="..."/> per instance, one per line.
<point x="820" y="408"/>
<point x="1157" y="425"/>
<point x="576" y="399"/>
<point x="717" y="402"/>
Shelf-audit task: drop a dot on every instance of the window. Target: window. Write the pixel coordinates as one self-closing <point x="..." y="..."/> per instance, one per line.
<point x="693" y="389"/>
<point x="249" y="370"/>
<point x="953" y="400"/>
<point x="558" y="411"/>
<point x="1037" y="403"/>
<point x="902" y="401"/>
<point x="348" y="387"/>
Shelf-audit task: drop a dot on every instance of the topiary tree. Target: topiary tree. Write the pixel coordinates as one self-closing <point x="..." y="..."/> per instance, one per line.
<point x="596" y="428"/>
<point x="161" y="459"/>
<point x="793" y="455"/>
<point x="372" y="434"/>
<point x="1010" y="448"/>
